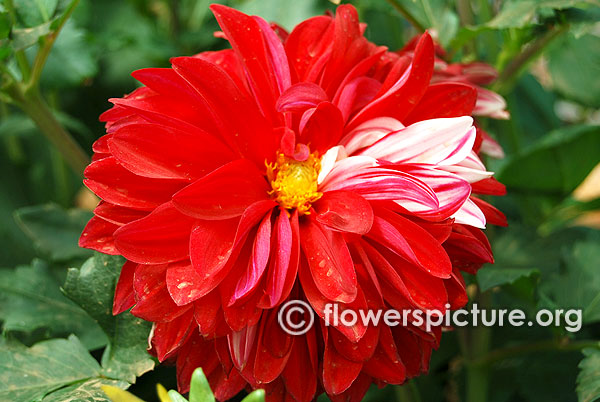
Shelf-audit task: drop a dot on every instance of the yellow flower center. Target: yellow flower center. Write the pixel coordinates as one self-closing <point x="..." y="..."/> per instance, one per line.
<point x="294" y="183"/>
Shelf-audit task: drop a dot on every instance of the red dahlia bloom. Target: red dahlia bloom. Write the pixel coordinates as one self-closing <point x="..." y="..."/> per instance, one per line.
<point x="314" y="166"/>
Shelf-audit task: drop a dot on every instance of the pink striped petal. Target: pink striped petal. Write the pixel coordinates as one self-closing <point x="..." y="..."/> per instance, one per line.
<point x="369" y="133"/>
<point x="470" y="214"/>
<point x="430" y="141"/>
<point x="450" y="190"/>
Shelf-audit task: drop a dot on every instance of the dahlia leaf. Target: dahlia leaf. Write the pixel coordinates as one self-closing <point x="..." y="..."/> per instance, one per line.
<point x="54" y="230"/>
<point x="29" y="374"/>
<point x="588" y="380"/>
<point x="92" y="287"/>
<point x="91" y="390"/>
<point x="32" y="301"/>
<point x="492" y="276"/>
<point x="579" y="286"/>
<point x="579" y="84"/>
<point x="554" y="156"/>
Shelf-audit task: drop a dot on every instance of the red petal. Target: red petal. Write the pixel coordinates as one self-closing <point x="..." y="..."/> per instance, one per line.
<point x="338" y="372"/>
<point x="248" y="41"/>
<point x="258" y="260"/>
<point x="402" y="97"/>
<point x="301" y="96"/>
<point x="237" y="117"/>
<point x="117" y="185"/>
<point x="98" y="235"/>
<point x="116" y="214"/>
<point x="284" y="264"/>
<point x="225" y="193"/>
<point x="153" y="302"/>
<point x="161" y="237"/>
<point x="321" y="127"/>
<point x="167" y="337"/>
<point x="428" y="253"/>
<point x="344" y="211"/>
<point x="213" y="242"/>
<point x="161" y="152"/>
<point x="330" y="262"/>
<point x="124" y="296"/>
<point x="492" y="214"/>
<point x="184" y="283"/>
<point x="448" y="99"/>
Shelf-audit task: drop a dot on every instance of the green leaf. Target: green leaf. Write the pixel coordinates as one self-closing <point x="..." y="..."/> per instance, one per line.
<point x="588" y="380"/>
<point x="35" y="12"/>
<point x="92" y="287"/>
<point x="72" y="59"/>
<point x="88" y="391"/>
<point x="574" y="66"/>
<point x="23" y="38"/>
<point x="199" y="388"/>
<point x="517" y="14"/>
<point x="579" y="286"/>
<point x="548" y="165"/>
<point x="54" y="230"/>
<point x="176" y="396"/>
<point x="255" y="396"/>
<point x="33" y="300"/>
<point x="5" y="23"/>
<point x="491" y="276"/>
<point x="28" y="374"/>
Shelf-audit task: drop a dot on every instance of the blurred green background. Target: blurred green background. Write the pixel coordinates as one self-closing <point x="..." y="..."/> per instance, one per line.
<point x="548" y="55"/>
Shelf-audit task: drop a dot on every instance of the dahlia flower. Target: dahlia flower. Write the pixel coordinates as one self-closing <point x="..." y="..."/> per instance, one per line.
<point x="312" y="165"/>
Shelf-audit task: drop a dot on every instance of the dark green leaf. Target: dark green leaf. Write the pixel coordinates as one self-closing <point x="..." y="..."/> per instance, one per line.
<point x="55" y="231"/>
<point x="588" y="380"/>
<point x="491" y="276"/>
<point x="72" y="59"/>
<point x="92" y="287"/>
<point x="574" y="66"/>
<point x="548" y="166"/>
<point x="516" y="14"/>
<point x="28" y="374"/>
<point x="35" y="12"/>
<point x="579" y="286"/>
<point x="33" y="300"/>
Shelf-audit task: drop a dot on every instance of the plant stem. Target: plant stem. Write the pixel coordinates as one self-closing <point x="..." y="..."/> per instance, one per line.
<point x="46" y="44"/>
<point x="551" y="344"/>
<point x="511" y="72"/>
<point x="477" y="343"/>
<point x="406" y="14"/>
<point x="36" y="108"/>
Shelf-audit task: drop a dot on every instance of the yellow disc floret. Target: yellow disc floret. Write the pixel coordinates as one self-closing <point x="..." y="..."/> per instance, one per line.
<point x="294" y="183"/>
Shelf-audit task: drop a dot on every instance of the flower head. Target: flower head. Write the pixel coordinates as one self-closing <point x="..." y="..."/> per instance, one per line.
<point x="313" y="166"/>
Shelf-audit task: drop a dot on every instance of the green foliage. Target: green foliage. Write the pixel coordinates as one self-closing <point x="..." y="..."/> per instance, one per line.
<point x="54" y="231"/>
<point x="547" y="52"/>
<point x="588" y="381"/>
<point x="92" y="287"/>
<point x="32" y="301"/>
<point x="32" y="374"/>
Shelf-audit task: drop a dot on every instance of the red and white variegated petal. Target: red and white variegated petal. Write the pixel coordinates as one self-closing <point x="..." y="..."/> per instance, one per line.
<point x="437" y="141"/>
<point x="369" y="133"/>
<point x="470" y="214"/>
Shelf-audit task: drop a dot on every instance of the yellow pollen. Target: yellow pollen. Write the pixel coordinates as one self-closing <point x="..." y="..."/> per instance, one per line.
<point x="294" y="183"/>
